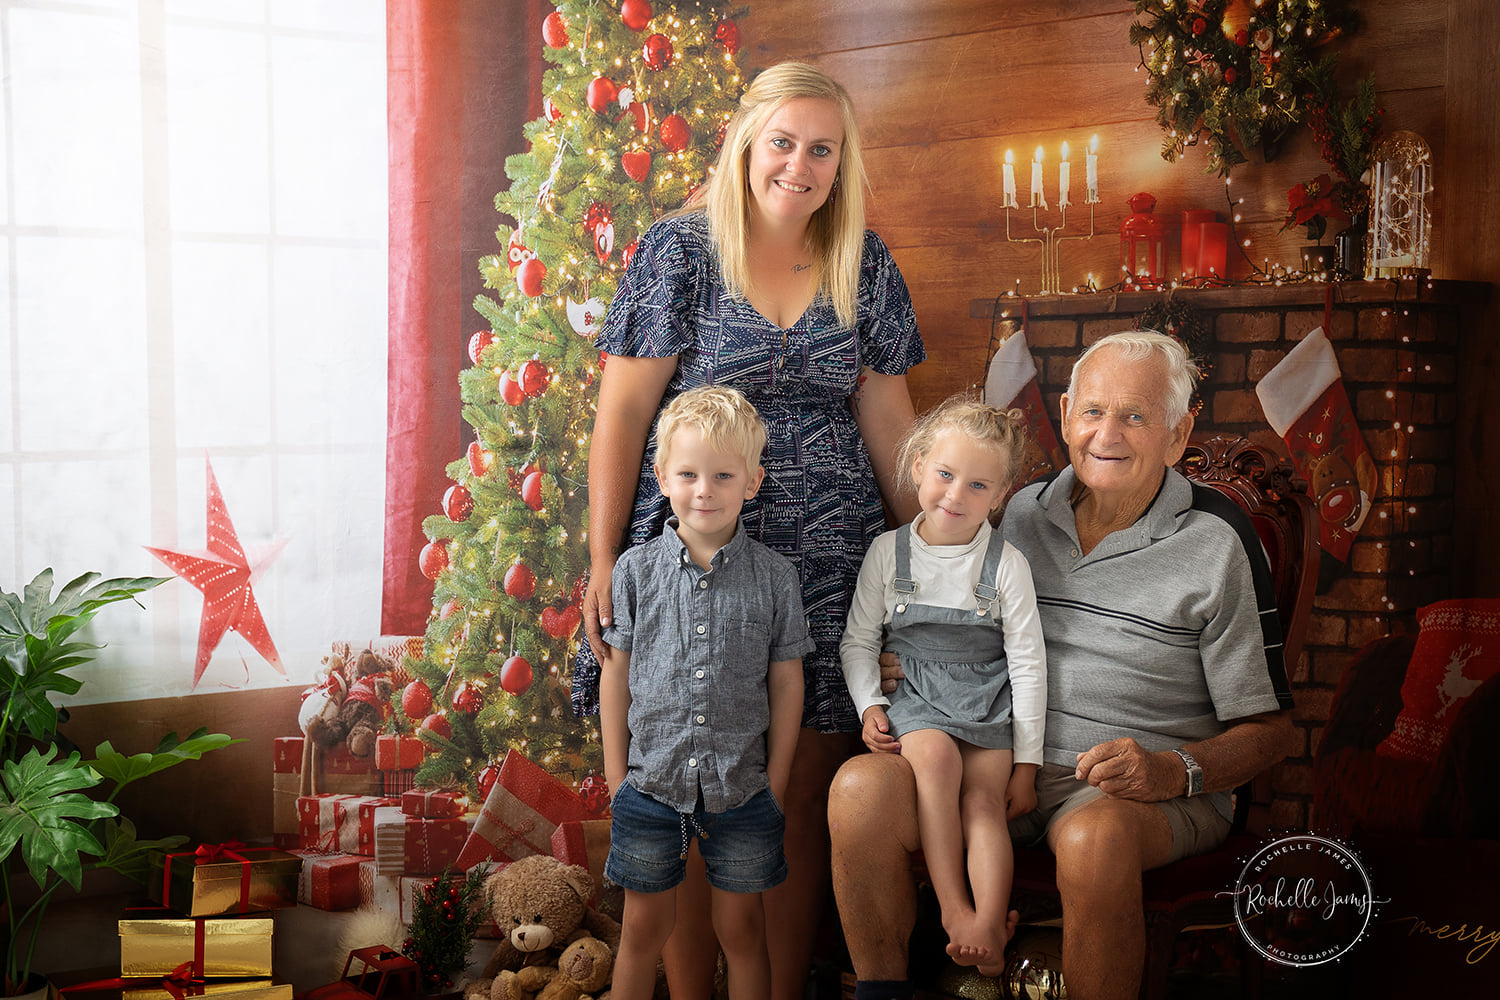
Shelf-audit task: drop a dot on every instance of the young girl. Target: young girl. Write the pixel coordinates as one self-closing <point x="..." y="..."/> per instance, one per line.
<point x="956" y="603"/>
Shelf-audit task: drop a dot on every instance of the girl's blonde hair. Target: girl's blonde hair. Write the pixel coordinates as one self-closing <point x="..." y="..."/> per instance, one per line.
<point x="1002" y="430"/>
<point x="728" y="422"/>
<point x="836" y="231"/>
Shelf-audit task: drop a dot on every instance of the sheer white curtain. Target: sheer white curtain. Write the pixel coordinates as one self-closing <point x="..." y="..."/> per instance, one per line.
<point x="193" y="262"/>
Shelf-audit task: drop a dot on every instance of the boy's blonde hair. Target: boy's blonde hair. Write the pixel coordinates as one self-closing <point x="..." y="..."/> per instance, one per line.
<point x="725" y="418"/>
<point x="1002" y="430"/>
<point x="836" y="231"/>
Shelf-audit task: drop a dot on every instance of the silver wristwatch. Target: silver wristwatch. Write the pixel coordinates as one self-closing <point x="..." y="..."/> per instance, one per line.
<point x="1194" y="773"/>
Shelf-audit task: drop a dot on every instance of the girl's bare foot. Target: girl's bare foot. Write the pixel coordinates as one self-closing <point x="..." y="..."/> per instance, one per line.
<point x="996" y="966"/>
<point x="968" y="940"/>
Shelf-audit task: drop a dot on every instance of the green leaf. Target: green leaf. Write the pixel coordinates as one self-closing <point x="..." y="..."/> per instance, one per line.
<point x="127" y="855"/>
<point x="39" y="805"/>
<point x="122" y="770"/>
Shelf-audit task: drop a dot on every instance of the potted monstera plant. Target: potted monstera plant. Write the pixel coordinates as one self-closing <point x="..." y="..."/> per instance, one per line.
<point x="58" y="818"/>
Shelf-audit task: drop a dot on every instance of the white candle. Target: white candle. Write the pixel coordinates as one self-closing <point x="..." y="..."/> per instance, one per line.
<point x="1091" y="172"/>
<point x="1064" y="169"/>
<point x="1008" y="174"/>
<point x="1037" y="197"/>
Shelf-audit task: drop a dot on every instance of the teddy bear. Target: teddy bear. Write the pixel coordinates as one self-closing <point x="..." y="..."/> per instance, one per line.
<point x="556" y="945"/>
<point x="359" y="716"/>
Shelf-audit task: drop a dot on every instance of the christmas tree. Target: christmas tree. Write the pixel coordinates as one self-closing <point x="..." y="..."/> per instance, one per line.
<point x="637" y="98"/>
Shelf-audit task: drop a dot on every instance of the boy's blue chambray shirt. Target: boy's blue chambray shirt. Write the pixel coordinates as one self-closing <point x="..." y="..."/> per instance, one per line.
<point x="700" y="644"/>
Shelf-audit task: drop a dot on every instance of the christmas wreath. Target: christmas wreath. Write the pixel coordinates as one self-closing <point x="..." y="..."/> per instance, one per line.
<point x="1234" y="72"/>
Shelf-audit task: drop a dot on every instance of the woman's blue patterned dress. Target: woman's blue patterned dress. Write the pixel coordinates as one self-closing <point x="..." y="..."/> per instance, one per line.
<point x="819" y="504"/>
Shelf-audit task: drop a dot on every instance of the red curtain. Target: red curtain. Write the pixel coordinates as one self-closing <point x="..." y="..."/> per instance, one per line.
<point x="462" y="77"/>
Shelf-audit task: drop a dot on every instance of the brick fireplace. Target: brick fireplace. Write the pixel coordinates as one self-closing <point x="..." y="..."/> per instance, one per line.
<point x="1397" y="347"/>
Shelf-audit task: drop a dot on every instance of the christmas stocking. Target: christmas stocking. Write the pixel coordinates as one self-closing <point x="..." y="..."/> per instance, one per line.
<point x="1305" y="402"/>
<point x="1011" y="382"/>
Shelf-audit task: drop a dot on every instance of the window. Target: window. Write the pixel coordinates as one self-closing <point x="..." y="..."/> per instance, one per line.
<point x="193" y="262"/>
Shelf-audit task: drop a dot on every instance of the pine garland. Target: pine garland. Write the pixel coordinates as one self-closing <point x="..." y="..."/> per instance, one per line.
<point x="446" y="913"/>
<point x="1233" y="85"/>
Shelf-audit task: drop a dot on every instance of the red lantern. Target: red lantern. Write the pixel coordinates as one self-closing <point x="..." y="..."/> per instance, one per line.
<point x="1142" y="245"/>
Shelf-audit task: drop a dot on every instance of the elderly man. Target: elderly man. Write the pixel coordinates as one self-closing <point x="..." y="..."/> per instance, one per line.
<point x="1166" y="687"/>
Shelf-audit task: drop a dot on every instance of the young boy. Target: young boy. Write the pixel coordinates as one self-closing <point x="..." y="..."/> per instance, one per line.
<point x="701" y="698"/>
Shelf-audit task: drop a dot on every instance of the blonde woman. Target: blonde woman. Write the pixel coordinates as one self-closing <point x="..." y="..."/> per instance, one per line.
<point x="767" y="281"/>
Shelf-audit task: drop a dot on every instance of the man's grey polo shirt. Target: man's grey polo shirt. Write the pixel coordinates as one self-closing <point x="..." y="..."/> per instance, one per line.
<point x="700" y="643"/>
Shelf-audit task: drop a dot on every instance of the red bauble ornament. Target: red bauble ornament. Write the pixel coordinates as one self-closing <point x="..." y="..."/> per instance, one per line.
<point x="657" y="52"/>
<point x="637" y="164"/>
<point x="727" y="36"/>
<point x="636" y="14"/>
<point x="416" y="700"/>
<point x="1230" y="75"/>
<point x="520" y="582"/>
<point x="478" y="342"/>
<point x="438" y="724"/>
<point x="468" y="699"/>
<point x="593" y="791"/>
<point x="433" y="559"/>
<point x="675" y="133"/>
<point x="515" y="676"/>
<point x="529" y="276"/>
<point x="458" y="503"/>
<point x="510" y="389"/>
<point x="531" y="491"/>
<point x="555" y="30"/>
<point x="488" y="775"/>
<point x="601" y="93"/>
<point x="625" y="255"/>
<point x="561" y="624"/>
<point x="480" y="460"/>
<point x="534" y="378"/>
<point x="540" y="465"/>
<point x="551" y="110"/>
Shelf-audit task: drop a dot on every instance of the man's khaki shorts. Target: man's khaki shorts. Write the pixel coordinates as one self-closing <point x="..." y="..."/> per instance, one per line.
<point x="1197" y="827"/>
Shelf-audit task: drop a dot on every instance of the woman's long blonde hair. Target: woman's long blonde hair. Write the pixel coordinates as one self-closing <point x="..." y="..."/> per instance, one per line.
<point x="836" y="231"/>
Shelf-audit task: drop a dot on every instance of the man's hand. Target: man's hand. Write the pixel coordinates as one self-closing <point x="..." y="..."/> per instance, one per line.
<point x="1123" y="769"/>
<point x="890" y="672"/>
<point x="877" y="731"/>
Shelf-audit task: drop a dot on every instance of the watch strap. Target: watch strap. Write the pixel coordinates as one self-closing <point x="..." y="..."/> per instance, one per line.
<point x="1194" y="773"/>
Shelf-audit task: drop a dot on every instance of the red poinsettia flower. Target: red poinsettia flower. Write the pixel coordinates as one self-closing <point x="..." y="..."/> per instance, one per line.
<point x="1307" y="205"/>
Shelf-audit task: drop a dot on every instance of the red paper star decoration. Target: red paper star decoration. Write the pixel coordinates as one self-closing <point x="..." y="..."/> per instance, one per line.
<point x="224" y="574"/>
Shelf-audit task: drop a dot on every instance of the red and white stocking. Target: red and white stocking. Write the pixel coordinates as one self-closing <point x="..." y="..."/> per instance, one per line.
<point x="1011" y="382"/>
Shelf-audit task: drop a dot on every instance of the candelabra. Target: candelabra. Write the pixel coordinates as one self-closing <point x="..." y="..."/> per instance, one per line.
<point x="1051" y="237"/>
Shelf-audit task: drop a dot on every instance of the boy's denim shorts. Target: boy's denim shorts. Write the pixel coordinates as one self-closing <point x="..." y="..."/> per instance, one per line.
<point x="741" y="848"/>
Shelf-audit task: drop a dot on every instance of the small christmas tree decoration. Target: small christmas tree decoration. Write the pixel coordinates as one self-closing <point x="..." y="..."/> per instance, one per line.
<point x="516" y="675"/>
<point x="478" y="342"/>
<point x="510" y="389"/>
<point x="433" y="559"/>
<point x="727" y="36"/>
<point x="488" y="775"/>
<point x="480" y="460"/>
<point x="449" y="607"/>
<point x="594" y="791"/>
<point x="446" y="913"/>
<point x="458" y="503"/>
<point x="439" y="724"/>
<point x="560" y="624"/>
<point x="657" y="52"/>
<point x="601" y="94"/>
<point x="529" y="276"/>
<point x="555" y="30"/>
<point x="531" y="491"/>
<point x="534" y="378"/>
<point x="636" y="14"/>
<point x="520" y="582"/>
<point x="551" y="111"/>
<point x="636" y="164"/>
<point x="416" y="700"/>
<point x="468" y="698"/>
<point x="675" y="134"/>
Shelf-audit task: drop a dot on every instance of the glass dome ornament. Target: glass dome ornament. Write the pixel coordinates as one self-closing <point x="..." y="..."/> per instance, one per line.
<point x="1398" y="240"/>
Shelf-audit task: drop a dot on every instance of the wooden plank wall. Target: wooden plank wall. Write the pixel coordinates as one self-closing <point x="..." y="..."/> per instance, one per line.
<point x="944" y="87"/>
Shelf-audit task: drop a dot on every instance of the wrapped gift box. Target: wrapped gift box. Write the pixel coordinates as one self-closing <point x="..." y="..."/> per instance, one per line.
<point x="586" y="843"/>
<point x="434" y="805"/>
<point x="394" y="784"/>
<point x="158" y="988"/>
<point x="339" y="823"/>
<point x="341" y="773"/>
<point x="397" y="894"/>
<point x="286" y="758"/>
<point x="329" y="881"/>
<point x="398" y="753"/>
<point x="520" y="814"/>
<point x="155" y="941"/>
<point x="413" y="845"/>
<point x="223" y="878"/>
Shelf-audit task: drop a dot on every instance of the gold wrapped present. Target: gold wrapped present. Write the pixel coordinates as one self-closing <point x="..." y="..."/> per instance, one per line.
<point x="222" y="989"/>
<point x="154" y="941"/>
<point x="224" y="878"/>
